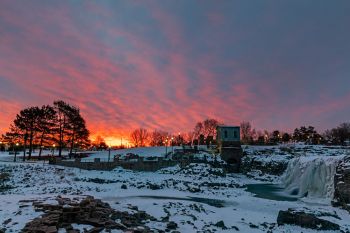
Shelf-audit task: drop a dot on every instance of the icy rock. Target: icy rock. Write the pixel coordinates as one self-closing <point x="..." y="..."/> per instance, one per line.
<point x="171" y="225"/>
<point x="89" y="211"/>
<point x="306" y="220"/>
<point x="342" y="184"/>
<point x="220" y="224"/>
<point x="154" y="186"/>
<point x="267" y="164"/>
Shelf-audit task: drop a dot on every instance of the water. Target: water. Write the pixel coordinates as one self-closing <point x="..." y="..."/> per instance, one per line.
<point x="211" y="202"/>
<point x="271" y="192"/>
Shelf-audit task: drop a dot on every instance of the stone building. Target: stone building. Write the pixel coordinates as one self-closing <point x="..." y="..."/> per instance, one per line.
<point x="229" y="144"/>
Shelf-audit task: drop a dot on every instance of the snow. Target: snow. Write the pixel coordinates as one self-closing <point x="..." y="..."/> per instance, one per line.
<point x="141" y="151"/>
<point x="175" y="190"/>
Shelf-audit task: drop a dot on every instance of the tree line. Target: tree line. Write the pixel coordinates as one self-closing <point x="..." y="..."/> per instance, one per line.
<point x="204" y="132"/>
<point x="62" y="125"/>
<point x="339" y="135"/>
<point x="59" y="124"/>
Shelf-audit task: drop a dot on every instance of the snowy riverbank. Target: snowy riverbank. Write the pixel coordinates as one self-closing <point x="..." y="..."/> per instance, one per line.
<point x="196" y="198"/>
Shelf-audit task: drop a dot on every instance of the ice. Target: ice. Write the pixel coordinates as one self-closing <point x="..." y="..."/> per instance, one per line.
<point x="311" y="176"/>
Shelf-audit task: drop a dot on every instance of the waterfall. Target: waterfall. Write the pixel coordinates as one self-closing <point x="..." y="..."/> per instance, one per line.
<point x="311" y="176"/>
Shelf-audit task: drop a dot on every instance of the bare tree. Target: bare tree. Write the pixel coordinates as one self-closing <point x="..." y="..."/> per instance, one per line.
<point x="210" y="127"/>
<point x="99" y="143"/>
<point x="338" y="135"/>
<point x="198" y="129"/>
<point x="189" y="137"/>
<point x="158" y="137"/>
<point x="139" y="137"/>
<point x="206" y="128"/>
<point x="246" y="131"/>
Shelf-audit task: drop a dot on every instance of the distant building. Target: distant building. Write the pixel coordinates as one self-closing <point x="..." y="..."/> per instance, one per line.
<point x="226" y="134"/>
<point x="228" y="139"/>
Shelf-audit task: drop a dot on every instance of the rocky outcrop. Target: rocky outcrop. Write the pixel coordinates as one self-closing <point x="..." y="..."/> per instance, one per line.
<point x="89" y="211"/>
<point x="306" y="220"/>
<point x="268" y="166"/>
<point x="342" y="184"/>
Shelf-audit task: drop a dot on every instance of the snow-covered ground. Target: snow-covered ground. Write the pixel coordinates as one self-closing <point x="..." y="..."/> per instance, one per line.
<point x="196" y="197"/>
<point x="8" y="157"/>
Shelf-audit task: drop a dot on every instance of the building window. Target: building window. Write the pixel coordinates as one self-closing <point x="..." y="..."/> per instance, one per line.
<point x="225" y="133"/>
<point x="235" y="134"/>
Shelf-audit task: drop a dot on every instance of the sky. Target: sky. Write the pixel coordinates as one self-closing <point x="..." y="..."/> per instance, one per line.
<point x="168" y="64"/>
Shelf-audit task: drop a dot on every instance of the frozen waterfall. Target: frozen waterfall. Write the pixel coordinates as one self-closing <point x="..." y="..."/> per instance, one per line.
<point x="311" y="176"/>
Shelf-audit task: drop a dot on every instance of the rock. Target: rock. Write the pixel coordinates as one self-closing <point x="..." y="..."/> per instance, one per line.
<point x="95" y="230"/>
<point x="251" y="225"/>
<point x="305" y="220"/>
<point x="194" y="189"/>
<point x="4" y="176"/>
<point x="124" y="186"/>
<point x="51" y="229"/>
<point x="154" y="186"/>
<point x="220" y="224"/>
<point x="252" y="163"/>
<point x="89" y="211"/>
<point x="172" y="225"/>
<point x="7" y="221"/>
<point x="342" y="184"/>
<point x="73" y="231"/>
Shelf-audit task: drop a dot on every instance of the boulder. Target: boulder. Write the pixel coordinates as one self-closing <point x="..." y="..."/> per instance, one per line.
<point x="172" y="226"/>
<point x="220" y="224"/>
<point x="306" y="220"/>
<point x="89" y="211"/>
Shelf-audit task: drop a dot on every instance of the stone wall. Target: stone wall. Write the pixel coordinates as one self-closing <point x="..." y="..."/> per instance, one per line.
<point x="139" y="165"/>
<point x="231" y="152"/>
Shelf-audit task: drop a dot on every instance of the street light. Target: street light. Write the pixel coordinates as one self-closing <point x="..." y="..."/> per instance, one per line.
<point x="172" y="146"/>
<point x="53" y="149"/>
<point x="14" y="160"/>
<point x="109" y="152"/>
<point x="76" y="143"/>
<point x="166" y="147"/>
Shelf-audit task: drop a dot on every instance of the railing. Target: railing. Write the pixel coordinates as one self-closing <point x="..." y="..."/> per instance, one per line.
<point x="101" y="160"/>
